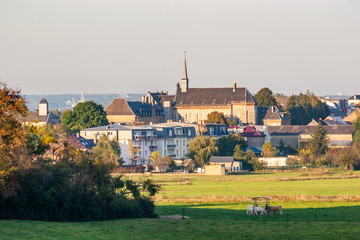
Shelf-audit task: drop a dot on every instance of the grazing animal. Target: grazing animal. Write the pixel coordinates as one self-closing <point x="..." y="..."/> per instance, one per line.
<point x="249" y="210"/>
<point x="273" y="209"/>
<point x="260" y="210"/>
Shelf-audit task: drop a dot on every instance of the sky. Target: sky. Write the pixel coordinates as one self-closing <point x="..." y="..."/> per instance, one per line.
<point x="127" y="46"/>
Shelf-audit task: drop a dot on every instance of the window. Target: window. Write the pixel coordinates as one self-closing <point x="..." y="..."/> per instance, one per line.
<point x="189" y="132"/>
<point x="202" y="116"/>
<point x="87" y="133"/>
<point x="184" y="142"/>
<point x="170" y="132"/>
<point x="191" y="117"/>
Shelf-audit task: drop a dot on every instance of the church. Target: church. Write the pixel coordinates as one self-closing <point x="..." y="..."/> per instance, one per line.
<point x="194" y="104"/>
<point x="190" y="105"/>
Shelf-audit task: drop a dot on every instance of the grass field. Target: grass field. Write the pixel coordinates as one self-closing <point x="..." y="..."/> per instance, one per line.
<point x="317" y="205"/>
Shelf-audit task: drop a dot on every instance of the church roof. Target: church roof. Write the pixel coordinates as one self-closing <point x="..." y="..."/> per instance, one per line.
<point x="212" y="96"/>
<point x="43" y="100"/>
<point x="274" y="114"/>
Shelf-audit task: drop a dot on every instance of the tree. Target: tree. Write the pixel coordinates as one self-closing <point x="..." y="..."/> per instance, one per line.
<point x="107" y="152"/>
<point x="201" y="149"/>
<point x="319" y="141"/>
<point x="216" y="117"/>
<point x="251" y="158"/>
<point x="13" y="138"/>
<point x="84" y="115"/>
<point x="305" y="107"/>
<point x="264" y="98"/>
<point x="238" y="153"/>
<point x="356" y="134"/>
<point x="133" y="150"/>
<point x="226" y="145"/>
<point x="155" y="157"/>
<point x="268" y="150"/>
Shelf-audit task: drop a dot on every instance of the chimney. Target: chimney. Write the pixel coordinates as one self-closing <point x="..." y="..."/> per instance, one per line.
<point x="166" y="92"/>
<point x="234" y="86"/>
<point x="77" y="135"/>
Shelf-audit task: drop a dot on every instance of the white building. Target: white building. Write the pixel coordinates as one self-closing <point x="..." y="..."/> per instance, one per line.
<point x="168" y="138"/>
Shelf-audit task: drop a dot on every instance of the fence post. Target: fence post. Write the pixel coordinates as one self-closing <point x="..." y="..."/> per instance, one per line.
<point x="316" y="215"/>
<point x="183" y="213"/>
<point x="287" y="217"/>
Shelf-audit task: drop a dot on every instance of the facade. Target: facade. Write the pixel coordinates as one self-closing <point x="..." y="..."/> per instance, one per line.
<point x="274" y="117"/>
<point x="194" y="104"/>
<point x="254" y="138"/>
<point x="138" y="142"/>
<point x="353" y="101"/>
<point x="122" y="111"/>
<point x="42" y="116"/>
<point x="339" y="135"/>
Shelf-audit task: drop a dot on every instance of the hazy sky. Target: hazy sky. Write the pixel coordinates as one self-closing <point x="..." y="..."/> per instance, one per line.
<point x="121" y="46"/>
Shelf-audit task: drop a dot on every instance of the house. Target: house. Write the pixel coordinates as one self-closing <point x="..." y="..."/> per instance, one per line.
<point x="42" y="116"/>
<point x="128" y="112"/>
<point x="254" y="138"/>
<point x="80" y="143"/>
<point x="220" y="165"/>
<point x="353" y="101"/>
<point x="194" y="104"/>
<point x="274" y="117"/>
<point x="293" y="135"/>
<point x="213" y="130"/>
<point x="352" y="117"/>
<point x="275" y="161"/>
<point x="138" y="142"/>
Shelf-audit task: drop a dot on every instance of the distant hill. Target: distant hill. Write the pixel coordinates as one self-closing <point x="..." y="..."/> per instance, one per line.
<point x="68" y="101"/>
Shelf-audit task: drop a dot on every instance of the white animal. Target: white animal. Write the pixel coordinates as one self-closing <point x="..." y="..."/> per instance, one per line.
<point x="260" y="210"/>
<point x="249" y="210"/>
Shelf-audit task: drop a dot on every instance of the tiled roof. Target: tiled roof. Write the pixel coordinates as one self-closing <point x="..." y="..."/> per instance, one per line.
<point x="354" y="97"/>
<point x="164" y="98"/>
<point x="302" y="129"/>
<point x="250" y="131"/>
<point x="33" y="116"/>
<point x="80" y="143"/>
<point x="274" y="114"/>
<point x="119" y="106"/>
<point x="212" y="96"/>
<point x="352" y="116"/>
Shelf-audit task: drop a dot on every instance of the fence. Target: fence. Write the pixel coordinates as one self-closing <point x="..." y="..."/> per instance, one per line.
<point x="341" y="214"/>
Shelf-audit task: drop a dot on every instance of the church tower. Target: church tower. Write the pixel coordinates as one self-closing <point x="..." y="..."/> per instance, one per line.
<point x="43" y="107"/>
<point x="184" y="80"/>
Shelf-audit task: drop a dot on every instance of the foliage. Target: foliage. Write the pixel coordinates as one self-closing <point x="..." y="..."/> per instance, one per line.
<point x="349" y="157"/>
<point x="13" y="138"/>
<point x="133" y="150"/>
<point x="238" y="153"/>
<point x="319" y="141"/>
<point x="216" y="117"/>
<point x="155" y="157"/>
<point x="77" y="187"/>
<point x="201" y="149"/>
<point x="226" y="145"/>
<point x="268" y="150"/>
<point x="251" y="158"/>
<point x="264" y="98"/>
<point x="305" y="107"/>
<point x="107" y="152"/>
<point x="356" y="134"/>
<point x="305" y="156"/>
<point x="84" y="115"/>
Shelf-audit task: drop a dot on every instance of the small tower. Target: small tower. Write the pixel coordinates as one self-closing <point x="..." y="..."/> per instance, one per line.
<point x="234" y="87"/>
<point x="184" y="80"/>
<point x="43" y="107"/>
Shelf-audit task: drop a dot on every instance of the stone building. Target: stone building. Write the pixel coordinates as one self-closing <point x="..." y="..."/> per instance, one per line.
<point x="194" y="104"/>
<point x="42" y="116"/>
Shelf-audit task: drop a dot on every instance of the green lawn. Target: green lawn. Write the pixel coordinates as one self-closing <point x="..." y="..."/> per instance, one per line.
<point x="216" y="207"/>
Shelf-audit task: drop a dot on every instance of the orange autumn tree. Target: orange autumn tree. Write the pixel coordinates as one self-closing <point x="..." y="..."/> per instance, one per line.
<point x="13" y="138"/>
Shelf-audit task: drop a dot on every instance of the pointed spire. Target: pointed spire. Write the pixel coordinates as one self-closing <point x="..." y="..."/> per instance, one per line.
<point x="184" y="80"/>
<point x="185" y="76"/>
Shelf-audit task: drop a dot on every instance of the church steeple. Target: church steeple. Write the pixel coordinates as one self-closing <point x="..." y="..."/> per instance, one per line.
<point x="184" y="80"/>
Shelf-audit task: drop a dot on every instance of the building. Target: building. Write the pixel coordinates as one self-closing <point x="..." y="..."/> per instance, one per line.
<point x="129" y="112"/>
<point x="42" y="116"/>
<point x="194" y="104"/>
<point x="353" y="101"/>
<point x="138" y="142"/>
<point x="339" y="135"/>
<point x="274" y="117"/>
<point x="352" y="117"/>
<point x="228" y="162"/>
<point x="254" y="138"/>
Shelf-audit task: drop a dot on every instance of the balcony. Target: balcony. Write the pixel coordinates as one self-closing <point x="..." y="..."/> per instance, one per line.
<point x="173" y="155"/>
<point x="152" y="137"/>
<point x="139" y="137"/>
<point x="153" y="148"/>
<point x="171" y="146"/>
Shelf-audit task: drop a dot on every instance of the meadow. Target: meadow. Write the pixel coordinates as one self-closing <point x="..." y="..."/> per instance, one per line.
<point x="316" y="205"/>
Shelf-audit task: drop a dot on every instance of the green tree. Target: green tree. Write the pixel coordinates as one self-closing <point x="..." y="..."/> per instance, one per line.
<point x="226" y="145"/>
<point x="268" y="150"/>
<point x="264" y="98"/>
<point x="216" y="117"/>
<point x="201" y="149"/>
<point x="251" y="158"/>
<point x="107" y="152"/>
<point x="319" y="141"/>
<point x="356" y="134"/>
<point x="305" y="107"/>
<point x="238" y="153"/>
<point x="84" y="115"/>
